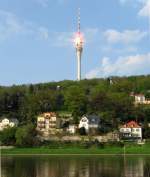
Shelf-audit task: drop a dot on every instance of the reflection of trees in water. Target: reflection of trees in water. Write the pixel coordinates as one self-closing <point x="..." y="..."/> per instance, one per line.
<point x="18" y="167"/>
<point x="147" y="169"/>
<point x="83" y="166"/>
<point x="133" y="166"/>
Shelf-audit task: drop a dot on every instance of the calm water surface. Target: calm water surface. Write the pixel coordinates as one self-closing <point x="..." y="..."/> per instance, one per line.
<point x="95" y="166"/>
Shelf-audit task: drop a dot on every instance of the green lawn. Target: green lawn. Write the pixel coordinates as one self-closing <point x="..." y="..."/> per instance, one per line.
<point x="129" y="149"/>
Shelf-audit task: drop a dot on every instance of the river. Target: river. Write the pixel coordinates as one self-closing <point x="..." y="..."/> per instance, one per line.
<point x="75" y="166"/>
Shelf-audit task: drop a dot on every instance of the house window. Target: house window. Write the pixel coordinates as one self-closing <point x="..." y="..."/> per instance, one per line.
<point x="47" y="121"/>
<point x="93" y="120"/>
<point x="83" y="120"/>
<point x="137" y="130"/>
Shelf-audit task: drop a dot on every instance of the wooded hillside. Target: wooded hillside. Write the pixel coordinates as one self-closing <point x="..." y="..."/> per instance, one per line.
<point x="108" y="98"/>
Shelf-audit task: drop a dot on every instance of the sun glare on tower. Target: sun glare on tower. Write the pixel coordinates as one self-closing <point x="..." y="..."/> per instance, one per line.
<point x="78" y="39"/>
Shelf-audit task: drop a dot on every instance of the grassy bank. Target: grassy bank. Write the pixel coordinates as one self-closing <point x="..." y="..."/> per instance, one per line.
<point x="129" y="149"/>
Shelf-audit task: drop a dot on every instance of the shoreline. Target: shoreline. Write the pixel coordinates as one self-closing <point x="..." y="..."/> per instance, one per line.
<point x="78" y="151"/>
<point x="4" y="155"/>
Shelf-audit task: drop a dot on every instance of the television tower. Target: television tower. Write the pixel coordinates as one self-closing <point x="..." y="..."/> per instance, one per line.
<point x="79" y="47"/>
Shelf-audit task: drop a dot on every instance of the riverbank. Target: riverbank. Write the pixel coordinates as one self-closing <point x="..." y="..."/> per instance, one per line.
<point x="129" y="150"/>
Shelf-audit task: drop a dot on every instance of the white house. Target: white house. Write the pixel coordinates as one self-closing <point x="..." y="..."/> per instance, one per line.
<point x="89" y="122"/>
<point x="71" y="129"/>
<point x="140" y="99"/>
<point x="5" y="123"/>
<point x="131" y="130"/>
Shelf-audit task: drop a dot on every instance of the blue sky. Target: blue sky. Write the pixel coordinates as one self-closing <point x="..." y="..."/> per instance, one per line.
<point x="36" y="39"/>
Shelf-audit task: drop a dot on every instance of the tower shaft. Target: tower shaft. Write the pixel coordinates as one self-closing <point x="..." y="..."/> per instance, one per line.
<point x="79" y="53"/>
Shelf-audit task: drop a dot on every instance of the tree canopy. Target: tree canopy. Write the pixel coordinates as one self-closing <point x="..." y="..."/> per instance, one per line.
<point x="110" y="100"/>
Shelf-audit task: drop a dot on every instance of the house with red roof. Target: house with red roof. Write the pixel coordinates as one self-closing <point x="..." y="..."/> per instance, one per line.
<point x="131" y="130"/>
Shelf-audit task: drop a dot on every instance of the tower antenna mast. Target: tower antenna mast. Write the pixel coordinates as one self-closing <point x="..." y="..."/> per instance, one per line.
<point x="79" y="20"/>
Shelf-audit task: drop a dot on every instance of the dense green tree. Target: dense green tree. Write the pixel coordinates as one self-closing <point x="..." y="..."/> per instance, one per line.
<point x="26" y="136"/>
<point x="76" y="101"/>
<point x="7" y="136"/>
<point x="121" y="104"/>
<point x="97" y="99"/>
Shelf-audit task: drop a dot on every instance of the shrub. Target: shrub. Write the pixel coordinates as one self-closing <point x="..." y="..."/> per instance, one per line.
<point x="116" y="143"/>
<point x="7" y="136"/>
<point x="26" y="136"/>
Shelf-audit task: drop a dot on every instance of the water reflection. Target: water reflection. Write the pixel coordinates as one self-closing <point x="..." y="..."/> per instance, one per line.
<point x="83" y="166"/>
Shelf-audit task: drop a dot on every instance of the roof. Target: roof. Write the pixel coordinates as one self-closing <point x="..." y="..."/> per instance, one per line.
<point x="14" y="120"/>
<point x="141" y="95"/>
<point x="93" y="119"/>
<point x="49" y="114"/>
<point x="131" y="124"/>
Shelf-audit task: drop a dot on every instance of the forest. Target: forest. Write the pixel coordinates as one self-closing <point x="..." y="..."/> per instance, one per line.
<point x="109" y="98"/>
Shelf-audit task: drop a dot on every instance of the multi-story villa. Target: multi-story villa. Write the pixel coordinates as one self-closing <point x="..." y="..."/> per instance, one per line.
<point x="48" y="122"/>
